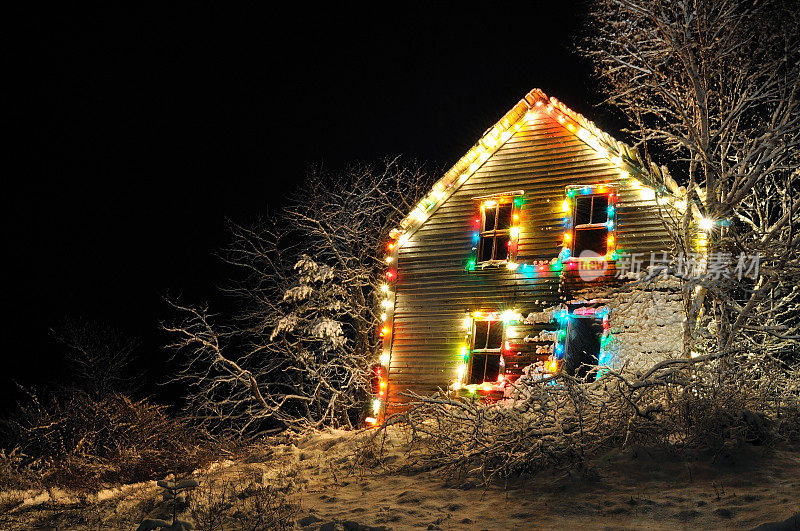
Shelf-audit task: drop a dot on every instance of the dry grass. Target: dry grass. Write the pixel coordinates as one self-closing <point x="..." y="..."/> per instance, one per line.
<point x="243" y="501"/>
<point x="80" y="443"/>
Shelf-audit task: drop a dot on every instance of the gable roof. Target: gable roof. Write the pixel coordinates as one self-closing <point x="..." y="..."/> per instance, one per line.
<point x="625" y="157"/>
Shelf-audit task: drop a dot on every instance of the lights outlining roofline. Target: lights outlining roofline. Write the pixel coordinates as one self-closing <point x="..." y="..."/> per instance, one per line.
<point x="653" y="181"/>
<point x="626" y="158"/>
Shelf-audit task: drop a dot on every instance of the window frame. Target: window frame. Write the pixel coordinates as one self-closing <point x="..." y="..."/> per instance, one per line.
<point x="493" y="319"/>
<point x="573" y="193"/>
<point x="494" y="233"/>
<point x="570" y="331"/>
<point x="576" y="227"/>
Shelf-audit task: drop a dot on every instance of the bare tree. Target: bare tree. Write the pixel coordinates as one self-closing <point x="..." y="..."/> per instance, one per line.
<point x="99" y="356"/>
<point x="298" y="349"/>
<point x="713" y="86"/>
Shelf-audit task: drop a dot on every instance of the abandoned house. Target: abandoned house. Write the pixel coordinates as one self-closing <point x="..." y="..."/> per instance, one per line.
<point x="505" y="266"/>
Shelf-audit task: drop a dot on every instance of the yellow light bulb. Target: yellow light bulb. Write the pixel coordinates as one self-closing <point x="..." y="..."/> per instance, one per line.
<point x="647" y="194"/>
<point x="706" y="224"/>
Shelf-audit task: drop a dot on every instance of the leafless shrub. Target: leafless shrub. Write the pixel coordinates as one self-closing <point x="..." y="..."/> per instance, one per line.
<point x="99" y="356"/>
<point x="709" y="402"/>
<point x="77" y="441"/>
<point x="175" y="495"/>
<point x="15" y="472"/>
<point x="240" y="502"/>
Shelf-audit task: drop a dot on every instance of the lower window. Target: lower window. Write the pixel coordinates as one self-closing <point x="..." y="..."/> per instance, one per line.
<point x="582" y="345"/>
<point x="487" y="338"/>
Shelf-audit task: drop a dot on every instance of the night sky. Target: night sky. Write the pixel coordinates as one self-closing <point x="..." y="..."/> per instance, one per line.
<point x="138" y="131"/>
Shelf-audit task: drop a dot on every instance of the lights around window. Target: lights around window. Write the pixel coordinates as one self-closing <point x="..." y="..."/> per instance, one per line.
<point x="496" y="233"/>
<point x="590" y="222"/>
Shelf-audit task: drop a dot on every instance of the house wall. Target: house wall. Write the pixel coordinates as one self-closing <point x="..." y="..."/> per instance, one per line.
<point x="433" y="290"/>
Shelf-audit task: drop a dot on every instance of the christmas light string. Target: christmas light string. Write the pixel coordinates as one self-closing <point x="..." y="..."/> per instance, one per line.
<point x="632" y="169"/>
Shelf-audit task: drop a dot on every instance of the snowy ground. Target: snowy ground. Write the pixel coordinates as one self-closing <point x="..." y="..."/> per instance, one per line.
<point x="625" y="490"/>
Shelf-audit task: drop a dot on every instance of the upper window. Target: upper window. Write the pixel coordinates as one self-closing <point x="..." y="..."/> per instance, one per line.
<point x="487" y="340"/>
<point x="495" y="233"/>
<point x="590" y="224"/>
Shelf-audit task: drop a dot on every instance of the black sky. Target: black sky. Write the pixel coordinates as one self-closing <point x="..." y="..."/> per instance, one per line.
<point x="139" y="129"/>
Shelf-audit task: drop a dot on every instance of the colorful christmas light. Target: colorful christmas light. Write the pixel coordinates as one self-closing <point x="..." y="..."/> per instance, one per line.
<point x="609" y="190"/>
<point x="630" y="167"/>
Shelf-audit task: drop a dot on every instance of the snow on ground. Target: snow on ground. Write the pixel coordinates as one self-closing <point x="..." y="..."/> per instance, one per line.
<point x="630" y="489"/>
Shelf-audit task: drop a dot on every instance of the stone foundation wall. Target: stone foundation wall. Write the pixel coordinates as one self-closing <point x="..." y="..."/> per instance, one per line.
<point x="646" y="325"/>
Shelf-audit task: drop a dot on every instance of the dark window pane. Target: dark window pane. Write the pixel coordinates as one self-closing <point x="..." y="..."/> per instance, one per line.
<point x="583" y="210"/>
<point x="486" y="248"/>
<point x="600" y="209"/>
<point x="489" y="214"/>
<point x="484" y="368"/>
<point x="481" y="331"/>
<point x="590" y="240"/>
<point x="495" y="334"/>
<point x="477" y="368"/>
<point x="492" y="367"/>
<point x="501" y="247"/>
<point x="504" y="216"/>
<point x="583" y="344"/>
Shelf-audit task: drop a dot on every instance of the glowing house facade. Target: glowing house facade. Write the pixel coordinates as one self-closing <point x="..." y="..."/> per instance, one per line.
<point x="505" y="266"/>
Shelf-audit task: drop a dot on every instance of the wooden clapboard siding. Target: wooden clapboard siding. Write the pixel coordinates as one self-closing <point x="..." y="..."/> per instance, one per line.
<point x="433" y="289"/>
